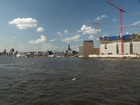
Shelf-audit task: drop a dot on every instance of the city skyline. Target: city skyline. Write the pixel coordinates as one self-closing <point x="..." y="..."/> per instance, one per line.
<point x="43" y="25"/>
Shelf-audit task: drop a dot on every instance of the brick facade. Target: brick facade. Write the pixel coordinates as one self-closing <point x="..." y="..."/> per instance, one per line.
<point x="88" y="48"/>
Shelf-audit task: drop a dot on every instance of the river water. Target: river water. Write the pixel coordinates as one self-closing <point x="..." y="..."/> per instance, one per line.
<point x="69" y="81"/>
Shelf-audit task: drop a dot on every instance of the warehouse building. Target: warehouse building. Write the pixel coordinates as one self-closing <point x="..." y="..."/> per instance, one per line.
<point x="111" y="45"/>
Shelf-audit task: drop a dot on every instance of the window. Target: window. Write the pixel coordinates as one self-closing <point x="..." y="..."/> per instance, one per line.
<point x="105" y="45"/>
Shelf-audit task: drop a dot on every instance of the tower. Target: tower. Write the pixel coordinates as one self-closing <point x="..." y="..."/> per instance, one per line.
<point x="69" y="47"/>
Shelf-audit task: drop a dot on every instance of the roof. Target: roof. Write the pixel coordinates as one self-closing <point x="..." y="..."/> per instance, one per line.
<point x="88" y="40"/>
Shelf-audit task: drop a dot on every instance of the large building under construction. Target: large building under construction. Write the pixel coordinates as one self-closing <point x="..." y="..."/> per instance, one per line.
<point x="111" y="45"/>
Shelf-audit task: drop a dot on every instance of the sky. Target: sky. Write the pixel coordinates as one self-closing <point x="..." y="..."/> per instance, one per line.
<point x="42" y="25"/>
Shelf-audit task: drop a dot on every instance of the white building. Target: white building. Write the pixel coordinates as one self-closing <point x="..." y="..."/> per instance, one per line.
<point x="136" y="47"/>
<point x="112" y="45"/>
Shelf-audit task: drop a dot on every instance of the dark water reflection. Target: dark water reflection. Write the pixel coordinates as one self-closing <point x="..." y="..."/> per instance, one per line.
<point x="48" y="81"/>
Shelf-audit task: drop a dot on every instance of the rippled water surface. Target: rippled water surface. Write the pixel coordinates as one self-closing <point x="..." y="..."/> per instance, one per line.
<point x="69" y="81"/>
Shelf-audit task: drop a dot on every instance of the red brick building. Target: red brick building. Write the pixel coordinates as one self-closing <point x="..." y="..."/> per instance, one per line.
<point x="88" y="48"/>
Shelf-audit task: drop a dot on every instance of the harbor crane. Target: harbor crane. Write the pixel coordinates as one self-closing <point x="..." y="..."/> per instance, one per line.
<point x="121" y="28"/>
<point x="98" y="24"/>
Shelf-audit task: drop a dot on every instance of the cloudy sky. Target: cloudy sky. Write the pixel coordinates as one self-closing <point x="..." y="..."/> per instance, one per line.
<point x="42" y="25"/>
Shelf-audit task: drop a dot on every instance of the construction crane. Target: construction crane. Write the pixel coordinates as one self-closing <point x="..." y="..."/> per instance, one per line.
<point x="121" y="28"/>
<point x="98" y="24"/>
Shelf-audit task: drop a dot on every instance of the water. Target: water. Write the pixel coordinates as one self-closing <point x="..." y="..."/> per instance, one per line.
<point x="69" y="81"/>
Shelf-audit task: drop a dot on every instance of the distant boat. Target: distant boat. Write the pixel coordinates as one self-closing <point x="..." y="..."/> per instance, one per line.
<point x="51" y="56"/>
<point x="58" y="56"/>
<point x="18" y="55"/>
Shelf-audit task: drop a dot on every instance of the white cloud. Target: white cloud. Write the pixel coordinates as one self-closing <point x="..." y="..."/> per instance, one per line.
<point x="48" y="46"/>
<point x="74" y="38"/>
<point x="23" y="47"/>
<point x="52" y="40"/>
<point x="101" y="17"/>
<point x="91" y="37"/>
<point x="24" y="23"/>
<point x="14" y="37"/>
<point x="88" y="30"/>
<point x="41" y="40"/>
<point x="114" y="20"/>
<point x="65" y="32"/>
<point x="136" y="23"/>
<point x="98" y="18"/>
<point x="106" y="34"/>
<point x="59" y="33"/>
<point x="75" y="47"/>
<point x="127" y="33"/>
<point x="40" y="29"/>
<point x="67" y="40"/>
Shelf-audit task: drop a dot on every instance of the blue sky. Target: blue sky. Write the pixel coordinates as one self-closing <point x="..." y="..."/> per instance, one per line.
<point x="42" y="25"/>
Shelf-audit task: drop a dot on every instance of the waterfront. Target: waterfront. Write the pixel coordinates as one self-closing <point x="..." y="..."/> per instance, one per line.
<point x="69" y="81"/>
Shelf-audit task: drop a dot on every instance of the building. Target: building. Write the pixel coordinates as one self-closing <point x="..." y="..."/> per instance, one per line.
<point x="12" y="51"/>
<point x="4" y="52"/>
<point x="96" y="51"/>
<point x="80" y="51"/>
<point x="69" y="47"/>
<point x="88" y="49"/>
<point x="111" y="45"/>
